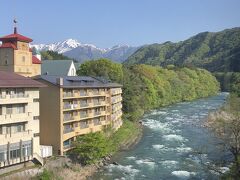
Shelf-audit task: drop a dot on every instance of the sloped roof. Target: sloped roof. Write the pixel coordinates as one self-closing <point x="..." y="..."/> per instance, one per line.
<point x="15" y="37"/>
<point x="78" y="81"/>
<point x="35" y="60"/>
<point x="56" y="67"/>
<point x="8" y="45"/>
<point x="9" y="79"/>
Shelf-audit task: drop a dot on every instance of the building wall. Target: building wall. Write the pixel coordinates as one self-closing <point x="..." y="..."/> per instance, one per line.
<point x="6" y="59"/>
<point x="19" y="126"/>
<point x="72" y="70"/>
<point x="71" y="112"/>
<point x="19" y="61"/>
<point x="50" y="125"/>
<point x="116" y="107"/>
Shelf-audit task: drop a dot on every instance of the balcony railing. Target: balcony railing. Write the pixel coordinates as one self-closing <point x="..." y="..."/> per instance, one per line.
<point x="83" y="104"/>
<point x="67" y="106"/>
<point x="83" y="115"/>
<point x="68" y="95"/>
<point x="19" y="95"/>
<point x="97" y="113"/>
<point x="68" y="130"/>
<point x="84" y="126"/>
<point x="83" y="93"/>
<point x="68" y="118"/>
<point x="2" y="97"/>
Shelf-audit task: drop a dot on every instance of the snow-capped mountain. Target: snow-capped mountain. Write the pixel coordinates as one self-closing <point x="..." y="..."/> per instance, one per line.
<point x="60" y="47"/>
<point x="82" y="52"/>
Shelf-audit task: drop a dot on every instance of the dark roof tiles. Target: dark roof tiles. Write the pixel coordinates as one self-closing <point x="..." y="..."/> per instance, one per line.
<point x="78" y="81"/>
<point x="9" y="79"/>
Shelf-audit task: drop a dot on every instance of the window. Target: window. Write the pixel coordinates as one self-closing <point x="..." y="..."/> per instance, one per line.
<point x="6" y="62"/>
<point x="35" y="117"/>
<point x="36" y="134"/>
<point x="23" y="58"/>
<point x="20" y="109"/>
<point x="26" y="148"/>
<point x="9" y="109"/>
<point x="0" y="110"/>
<point x="36" y="100"/>
<point x="73" y="72"/>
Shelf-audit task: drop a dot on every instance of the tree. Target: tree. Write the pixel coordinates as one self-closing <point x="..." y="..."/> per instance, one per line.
<point x="226" y="124"/>
<point x="91" y="147"/>
<point x="102" y="68"/>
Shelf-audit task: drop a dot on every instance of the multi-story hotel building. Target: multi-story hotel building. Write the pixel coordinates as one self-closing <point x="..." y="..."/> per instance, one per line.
<point x="72" y="106"/>
<point x="16" y="55"/>
<point x="19" y="119"/>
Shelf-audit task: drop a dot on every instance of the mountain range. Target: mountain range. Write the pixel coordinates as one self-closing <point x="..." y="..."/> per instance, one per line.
<point x="82" y="52"/>
<point x="214" y="51"/>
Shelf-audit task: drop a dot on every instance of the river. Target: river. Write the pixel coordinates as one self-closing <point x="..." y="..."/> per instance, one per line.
<point x="174" y="145"/>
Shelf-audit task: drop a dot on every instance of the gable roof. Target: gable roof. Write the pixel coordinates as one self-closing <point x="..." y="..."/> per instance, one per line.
<point x="56" y="67"/>
<point x="9" y="79"/>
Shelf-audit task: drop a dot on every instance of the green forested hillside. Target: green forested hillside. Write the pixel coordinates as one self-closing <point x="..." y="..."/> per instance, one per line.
<point x="213" y="51"/>
<point x="146" y="87"/>
<point x="52" y="55"/>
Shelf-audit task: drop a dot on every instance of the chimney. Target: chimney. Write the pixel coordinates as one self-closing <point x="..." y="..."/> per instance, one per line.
<point x="59" y="81"/>
<point x="15" y="30"/>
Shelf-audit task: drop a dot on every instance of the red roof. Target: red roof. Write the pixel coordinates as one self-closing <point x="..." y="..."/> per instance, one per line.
<point x="9" y="79"/>
<point x="8" y="45"/>
<point x="35" y="60"/>
<point x="15" y="37"/>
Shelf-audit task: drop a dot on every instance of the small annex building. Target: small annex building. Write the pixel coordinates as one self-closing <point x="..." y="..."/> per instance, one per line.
<point x="58" y="67"/>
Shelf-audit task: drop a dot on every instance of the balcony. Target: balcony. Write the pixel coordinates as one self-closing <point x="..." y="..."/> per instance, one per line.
<point x="68" y="130"/>
<point x="24" y="135"/>
<point x="82" y="93"/>
<point x="19" y="96"/>
<point x="84" y="126"/>
<point x="70" y="106"/>
<point x="68" y="118"/>
<point x="15" y="118"/>
<point x="84" y="104"/>
<point x="83" y="115"/>
<point x="67" y="95"/>
<point x="15" y="99"/>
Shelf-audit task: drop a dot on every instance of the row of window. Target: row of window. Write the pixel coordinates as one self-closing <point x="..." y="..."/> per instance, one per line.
<point x="13" y="109"/>
<point x="15" y="151"/>
<point x="12" y="128"/>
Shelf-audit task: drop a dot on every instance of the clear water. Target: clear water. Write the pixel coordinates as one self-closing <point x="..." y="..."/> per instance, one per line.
<point x="175" y="145"/>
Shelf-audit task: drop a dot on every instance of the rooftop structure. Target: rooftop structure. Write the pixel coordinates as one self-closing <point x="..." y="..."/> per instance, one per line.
<point x="16" y="55"/>
<point x="58" y="67"/>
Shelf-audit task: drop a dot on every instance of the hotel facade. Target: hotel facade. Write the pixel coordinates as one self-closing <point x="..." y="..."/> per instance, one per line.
<point x="19" y="119"/>
<point x="73" y="106"/>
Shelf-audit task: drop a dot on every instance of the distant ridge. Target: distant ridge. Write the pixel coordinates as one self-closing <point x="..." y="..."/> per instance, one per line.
<point x="82" y="52"/>
<point x="219" y="51"/>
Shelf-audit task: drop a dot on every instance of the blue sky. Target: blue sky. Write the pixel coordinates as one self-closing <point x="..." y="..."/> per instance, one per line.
<point x="109" y="22"/>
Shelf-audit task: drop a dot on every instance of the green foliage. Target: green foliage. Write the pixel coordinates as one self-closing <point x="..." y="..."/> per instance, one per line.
<point x="52" y="55"/>
<point x="146" y="87"/>
<point x="212" y="51"/>
<point x="229" y="81"/>
<point x="123" y="134"/>
<point x="91" y="147"/>
<point x="45" y="175"/>
<point x="102" y="68"/>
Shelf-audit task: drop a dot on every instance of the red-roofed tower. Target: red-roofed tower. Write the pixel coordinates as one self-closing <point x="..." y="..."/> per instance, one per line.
<point x="16" y="55"/>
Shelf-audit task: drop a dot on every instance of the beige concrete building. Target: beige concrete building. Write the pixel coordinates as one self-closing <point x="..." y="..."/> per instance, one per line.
<point x="16" y="55"/>
<point x="19" y="119"/>
<point x="72" y="106"/>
